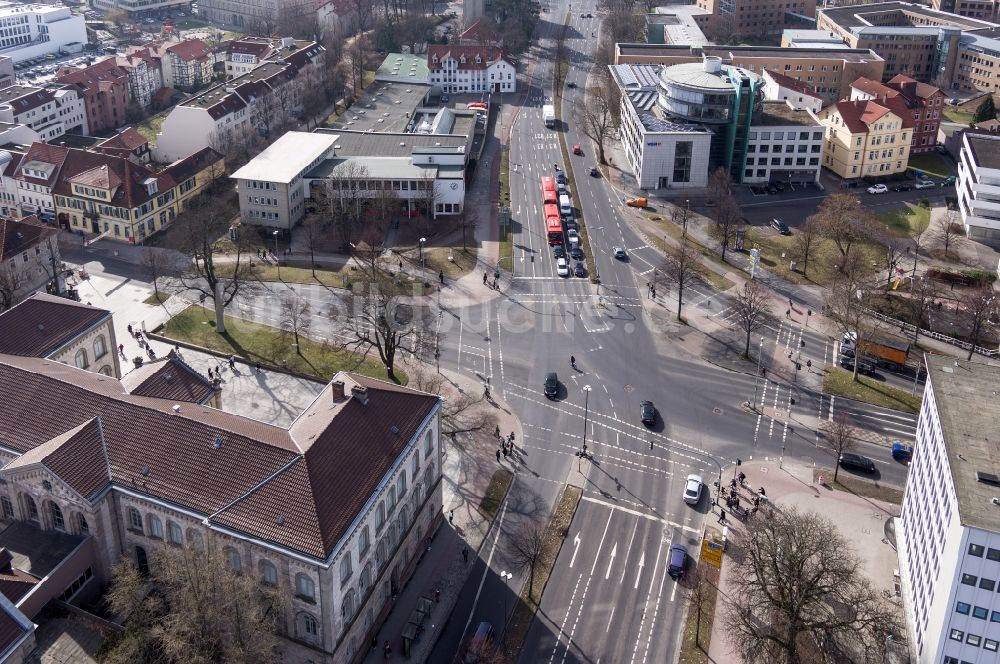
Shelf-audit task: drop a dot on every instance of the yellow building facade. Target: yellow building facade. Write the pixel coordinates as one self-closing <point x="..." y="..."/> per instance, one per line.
<point x="866" y="138"/>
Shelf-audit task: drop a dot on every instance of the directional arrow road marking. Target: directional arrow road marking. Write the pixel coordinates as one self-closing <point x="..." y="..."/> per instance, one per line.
<point x="642" y="563"/>
<point x="614" y="552"/>
<point x="576" y="549"/>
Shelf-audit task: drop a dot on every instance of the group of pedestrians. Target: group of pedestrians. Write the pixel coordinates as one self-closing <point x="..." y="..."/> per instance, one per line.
<point x="486" y="279"/>
<point x="651" y="290"/>
<point x="733" y="499"/>
<point x="141" y="340"/>
<point x="507" y="448"/>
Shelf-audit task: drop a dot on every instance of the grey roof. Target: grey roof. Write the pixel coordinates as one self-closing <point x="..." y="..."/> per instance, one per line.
<point x="384" y="107"/>
<point x="660" y="125"/>
<point x="636" y="77"/>
<point x="286" y="158"/>
<point x="779" y="113"/>
<point x="403" y="66"/>
<point x="354" y="143"/>
<point x="968" y="405"/>
<point x="728" y="52"/>
<point x="985" y="148"/>
<point x="694" y="75"/>
<point x="859" y="16"/>
<point x="389" y="168"/>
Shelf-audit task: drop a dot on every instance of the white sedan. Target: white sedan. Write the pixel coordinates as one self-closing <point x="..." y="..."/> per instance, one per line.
<point x="573" y="236"/>
<point x="562" y="268"/>
<point x="692" y="490"/>
<point x="878" y="189"/>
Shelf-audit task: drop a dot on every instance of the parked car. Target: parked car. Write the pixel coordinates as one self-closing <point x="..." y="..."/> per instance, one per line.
<point x="571" y="223"/>
<point x="619" y="253"/>
<point x="857" y="462"/>
<point x="692" y="489"/>
<point x="594" y="172"/>
<point x="948" y="180"/>
<point x="901" y="452"/>
<point x="677" y="561"/>
<point x="579" y="270"/>
<point x="903" y="186"/>
<point x="647" y="413"/>
<point x="780" y="226"/>
<point x="479" y="644"/>
<point x="551" y="387"/>
<point x="559" y="251"/>
<point x="573" y="236"/>
<point x="560" y="176"/>
<point x="880" y="189"/>
<point x="926" y="183"/>
<point x="639" y="202"/>
<point x="576" y="253"/>
<point x="562" y="268"/>
<point x="571" y="85"/>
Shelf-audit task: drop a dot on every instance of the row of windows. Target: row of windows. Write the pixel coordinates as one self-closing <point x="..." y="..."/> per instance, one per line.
<point x="776" y="161"/>
<point x="780" y="135"/>
<point x="974" y="640"/>
<point x="100" y="350"/>
<point x="778" y="149"/>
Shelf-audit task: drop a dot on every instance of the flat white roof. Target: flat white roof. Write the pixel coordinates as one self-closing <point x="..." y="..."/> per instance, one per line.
<point x="287" y="157"/>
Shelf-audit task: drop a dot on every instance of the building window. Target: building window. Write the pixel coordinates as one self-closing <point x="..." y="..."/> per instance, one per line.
<point x="991" y="645"/>
<point x="956" y="635"/>
<point x="972" y="639"/>
<point x="233" y="559"/>
<point x="100" y="347"/>
<point x="268" y="573"/>
<point x="305" y="588"/>
<point x="309" y="626"/>
<point x="155" y="526"/>
<point x="993" y="554"/>
<point x="174" y="533"/>
<point x="345" y="568"/>
<point x="134" y="520"/>
<point x="81" y="524"/>
<point x="987" y="584"/>
<point x="379" y="516"/>
<point x="363" y="542"/>
<point x="55" y="512"/>
<point x="963" y="608"/>
<point x="969" y="579"/>
<point x="401" y="485"/>
<point x="8" y="507"/>
<point x="980" y="612"/>
<point x="81" y="359"/>
<point x="683" y="151"/>
<point x="195" y="539"/>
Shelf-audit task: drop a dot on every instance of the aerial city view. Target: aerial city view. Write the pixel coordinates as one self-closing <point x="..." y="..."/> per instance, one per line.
<point x="499" y="331"/>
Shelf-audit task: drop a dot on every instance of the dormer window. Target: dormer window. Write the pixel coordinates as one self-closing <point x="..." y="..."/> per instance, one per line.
<point x="434" y="59"/>
<point x="462" y="60"/>
<point x="479" y="60"/>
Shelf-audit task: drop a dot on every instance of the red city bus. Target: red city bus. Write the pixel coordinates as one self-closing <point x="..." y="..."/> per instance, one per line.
<point x="553" y="224"/>
<point x="549" y="190"/>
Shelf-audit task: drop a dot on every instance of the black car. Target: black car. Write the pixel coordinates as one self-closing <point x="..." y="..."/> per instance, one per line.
<point x="551" y="385"/>
<point x="561" y="177"/>
<point x="780" y="226"/>
<point x="559" y="251"/>
<point x="904" y="186"/>
<point x="576" y="253"/>
<point x="579" y="270"/>
<point x="857" y="462"/>
<point x="647" y="412"/>
<point x="571" y="224"/>
<point x="594" y="172"/>
<point x="571" y="85"/>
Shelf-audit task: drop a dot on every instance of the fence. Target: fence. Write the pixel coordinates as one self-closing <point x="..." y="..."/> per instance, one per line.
<point x="909" y="328"/>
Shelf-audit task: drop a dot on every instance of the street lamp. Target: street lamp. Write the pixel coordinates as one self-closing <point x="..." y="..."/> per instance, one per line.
<point x="422" y="240"/>
<point x="586" y="412"/>
<point x="756" y="380"/>
<point x="276" y="259"/>
<point x="506" y="576"/>
<point x="687" y="212"/>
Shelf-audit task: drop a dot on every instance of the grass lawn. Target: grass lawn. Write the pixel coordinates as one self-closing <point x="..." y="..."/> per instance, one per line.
<point x="908" y="220"/>
<point x="959" y="116"/>
<point x="838" y="381"/>
<point x="150" y="127"/>
<point x="667" y="227"/>
<point x="931" y="163"/>
<point x="697" y="635"/>
<point x="823" y="258"/>
<point x="495" y="492"/>
<point x="859" y="486"/>
<point x="154" y="299"/>
<point x="261" y="343"/>
<point x="464" y="261"/>
<point x="328" y="275"/>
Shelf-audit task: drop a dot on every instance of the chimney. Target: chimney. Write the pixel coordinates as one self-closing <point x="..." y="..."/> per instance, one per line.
<point x="337" y="390"/>
<point x="361" y="394"/>
<point x="5" y="560"/>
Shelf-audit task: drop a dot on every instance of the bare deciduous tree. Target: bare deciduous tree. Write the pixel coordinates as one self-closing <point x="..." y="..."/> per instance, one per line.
<point x="978" y="306"/>
<point x="846" y="304"/>
<point x="728" y="218"/>
<point x="923" y="292"/>
<point x="701" y="598"/>
<point x="681" y="215"/>
<point x="461" y="412"/>
<point x="155" y="264"/>
<point x="48" y="259"/>
<point x="948" y="233"/>
<point x="841" y="435"/>
<point x="12" y="280"/>
<point x="596" y="117"/>
<point x="313" y="230"/>
<point x="799" y="594"/>
<point x="804" y="241"/>
<point x="682" y="269"/>
<point x="345" y="199"/>
<point x="842" y="219"/>
<point x="893" y="250"/>
<point x="720" y="185"/>
<point x="526" y="548"/>
<point x="751" y="310"/>
<point x="296" y="317"/>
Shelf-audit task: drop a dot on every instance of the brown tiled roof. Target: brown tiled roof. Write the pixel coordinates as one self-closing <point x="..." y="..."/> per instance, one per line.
<point x="245" y="474"/>
<point x="15" y="162"/>
<point x="11" y="630"/>
<point x="78" y="457"/>
<point x="258" y="48"/>
<point x="48" y="154"/>
<point x="480" y="32"/>
<point x="126" y="177"/>
<point x="100" y="75"/>
<point x="190" y="49"/>
<point x="14" y="585"/>
<point x="20" y="235"/>
<point x="99" y="176"/>
<point x="23" y="99"/>
<point x="858" y="115"/>
<point x="128" y="138"/>
<point x="923" y="90"/>
<point x="41" y="324"/>
<point x="302" y="56"/>
<point x="169" y="378"/>
<point x="182" y="169"/>
<point x="487" y="55"/>
<point x="791" y="83"/>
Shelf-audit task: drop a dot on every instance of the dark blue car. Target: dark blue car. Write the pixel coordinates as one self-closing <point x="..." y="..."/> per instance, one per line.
<point x="901" y="452"/>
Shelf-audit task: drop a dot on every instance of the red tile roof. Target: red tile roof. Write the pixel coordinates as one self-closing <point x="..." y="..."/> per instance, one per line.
<point x="169" y="378"/>
<point x="41" y="324"/>
<point x="20" y="235"/>
<point x="299" y="488"/>
<point x="14" y="585"/>
<point x="29" y="99"/>
<point x="914" y="93"/>
<point x="99" y="176"/>
<point x="487" y="56"/>
<point x="100" y="75"/>
<point x="249" y="47"/>
<point x="78" y="457"/>
<point x="128" y="138"/>
<point x="11" y="629"/>
<point x="480" y="32"/>
<point x="190" y="49"/>
<point x="904" y="83"/>
<point x="47" y="154"/>
<point x="858" y="115"/>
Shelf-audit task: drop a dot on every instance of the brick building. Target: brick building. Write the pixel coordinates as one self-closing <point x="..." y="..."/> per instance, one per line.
<point x="105" y="89"/>
<point x="924" y="102"/>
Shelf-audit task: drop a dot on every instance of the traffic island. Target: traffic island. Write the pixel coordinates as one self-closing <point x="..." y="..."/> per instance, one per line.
<point x="702" y="592"/>
<point x="495" y="493"/>
<point x="839" y="382"/>
<point x="823" y="477"/>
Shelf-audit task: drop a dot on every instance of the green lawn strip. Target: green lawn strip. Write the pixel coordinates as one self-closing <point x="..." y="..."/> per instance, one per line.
<point x="931" y="163"/>
<point x="156" y="300"/>
<point x="908" y="220"/>
<point x="838" y="382"/>
<point x="695" y="639"/>
<point x="260" y="343"/>
<point x="150" y="127"/>
<point x="823" y="258"/>
<point x="555" y="534"/>
<point x="956" y="115"/>
<point x="858" y="486"/>
<point x="495" y="492"/>
<point x="464" y="260"/>
<point x="327" y="275"/>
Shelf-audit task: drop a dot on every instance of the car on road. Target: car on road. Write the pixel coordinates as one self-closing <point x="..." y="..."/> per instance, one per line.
<point x="903" y="186"/>
<point x="619" y="253"/>
<point x="692" y="489"/>
<point x="594" y="172"/>
<point x="576" y="253"/>
<point x="901" y="452"/>
<point x="479" y="644"/>
<point x="878" y="189"/>
<point x="551" y="387"/>
<point x="573" y="236"/>
<point x="559" y="251"/>
<point x="560" y="176"/>
<point x="948" y="180"/>
<point x="647" y="413"/>
<point x="562" y="268"/>
<point x="853" y="461"/>
<point x="577" y="149"/>
<point x="677" y="561"/>
<point x="571" y="85"/>
<point x="780" y="226"/>
<point x="571" y="223"/>
<point x="579" y="270"/>
<point x="926" y="183"/>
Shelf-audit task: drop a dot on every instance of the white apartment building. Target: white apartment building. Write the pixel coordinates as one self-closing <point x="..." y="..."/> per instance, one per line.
<point x="949" y="532"/>
<point x="778" y="87"/>
<point x="51" y="111"/>
<point x="271" y="186"/>
<point x="140" y="8"/>
<point x="33" y="30"/>
<point x="784" y="145"/>
<point x="978" y="186"/>
<point x="186" y="64"/>
<point x="456" y="69"/>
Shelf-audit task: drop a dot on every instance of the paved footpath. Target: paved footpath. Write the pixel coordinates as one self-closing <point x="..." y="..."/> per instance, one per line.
<point x="861" y="521"/>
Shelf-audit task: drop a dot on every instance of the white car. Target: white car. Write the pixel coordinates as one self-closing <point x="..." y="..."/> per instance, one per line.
<point x="878" y="189"/>
<point x="562" y="267"/>
<point x="573" y="235"/>
<point x="692" y="489"/>
<point x="619" y="252"/>
<point x="925" y="184"/>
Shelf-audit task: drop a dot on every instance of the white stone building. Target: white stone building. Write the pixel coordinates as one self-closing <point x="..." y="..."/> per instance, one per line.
<point x="978" y="186"/>
<point x="783" y="145"/>
<point x="799" y="94"/>
<point x="948" y="535"/>
<point x="33" y="30"/>
<point x="456" y="69"/>
<point x="51" y="111"/>
<point x="140" y="8"/>
<point x="28" y="252"/>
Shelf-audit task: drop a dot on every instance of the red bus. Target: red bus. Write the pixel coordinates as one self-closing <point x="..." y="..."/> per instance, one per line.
<point x="549" y="190"/>
<point x="553" y="224"/>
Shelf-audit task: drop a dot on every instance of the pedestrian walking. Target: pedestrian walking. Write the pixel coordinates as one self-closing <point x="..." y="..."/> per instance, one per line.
<point x="129" y="328"/>
<point x="400" y="264"/>
<point x="465" y="555"/>
<point x="374" y="643"/>
<point x="121" y="349"/>
<point x="232" y="362"/>
<point x="498" y="455"/>
<point x="498" y="431"/>
<point x="788" y="313"/>
<point x="504" y="449"/>
<point x="451" y="517"/>
<point x="809" y="365"/>
<point x="790" y="305"/>
<point x="486" y="392"/>
<point x="210" y="373"/>
<point x="386" y="650"/>
<point x="256" y="365"/>
<point x="753" y="510"/>
<point x="441" y="277"/>
<point x="722" y="516"/>
<point x="485" y="278"/>
<point x="762" y="492"/>
<point x="652" y="292"/>
<point x="437" y="595"/>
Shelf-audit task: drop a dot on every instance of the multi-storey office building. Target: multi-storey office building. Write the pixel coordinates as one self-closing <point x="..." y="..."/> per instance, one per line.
<point x="978" y="186"/>
<point x="32" y="30"/>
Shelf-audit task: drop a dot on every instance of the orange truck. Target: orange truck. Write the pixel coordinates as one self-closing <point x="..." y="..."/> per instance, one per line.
<point x="639" y="202"/>
<point x="885" y="351"/>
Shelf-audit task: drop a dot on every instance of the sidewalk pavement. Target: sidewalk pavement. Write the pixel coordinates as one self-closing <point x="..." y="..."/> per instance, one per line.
<point x="862" y="522"/>
<point x="468" y="468"/>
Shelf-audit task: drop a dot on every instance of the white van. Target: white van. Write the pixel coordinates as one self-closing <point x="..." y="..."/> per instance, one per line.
<point x="565" y="207"/>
